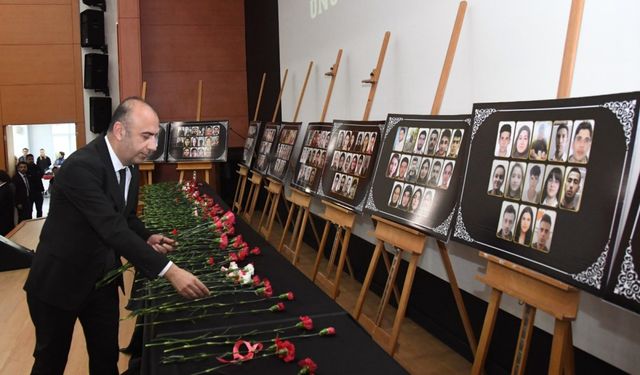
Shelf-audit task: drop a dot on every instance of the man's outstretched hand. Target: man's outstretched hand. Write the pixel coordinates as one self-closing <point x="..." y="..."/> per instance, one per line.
<point x="186" y="284"/>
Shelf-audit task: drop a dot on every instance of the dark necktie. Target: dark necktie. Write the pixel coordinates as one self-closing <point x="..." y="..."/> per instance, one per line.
<point x="26" y="184"/>
<point x="123" y="183"/>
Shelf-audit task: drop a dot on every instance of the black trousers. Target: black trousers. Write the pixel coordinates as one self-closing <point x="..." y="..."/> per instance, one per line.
<point x="99" y="316"/>
<point x="37" y="199"/>
<point x="24" y="213"/>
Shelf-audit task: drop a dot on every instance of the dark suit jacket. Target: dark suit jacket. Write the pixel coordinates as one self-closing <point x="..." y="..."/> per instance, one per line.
<point x="87" y="227"/>
<point x="21" y="196"/>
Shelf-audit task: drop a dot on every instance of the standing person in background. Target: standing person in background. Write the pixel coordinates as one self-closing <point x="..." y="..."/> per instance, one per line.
<point x="25" y="151"/>
<point x="6" y="204"/>
<point x="21" y="183"/>
<point x="43" y="161"/>
<point x="36" y="188"/>
<point x="60" y="159"/>
<point x="91" y="223"/>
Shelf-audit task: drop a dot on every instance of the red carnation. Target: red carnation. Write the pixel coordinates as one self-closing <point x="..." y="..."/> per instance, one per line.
<point x="267" y="290"/>
<point x="277" y="307"/>
<point x="229" y="217"/>
<point x="255" y="251"/>
<point x="238" y="241"/>
<point x="211" y="262"/>
<point x="285" y="350"/>
<point x="233" y="257"/>
<point x="329" y="331"/>
<point x="243" y="253"/>
<point x="224" y="241"/>
<point x="174" y="232"/>
<point x="306" y="323"/>
<point x="256" y="280"/>
<point x="287" y="296"/>
<point x="308" y="366"/>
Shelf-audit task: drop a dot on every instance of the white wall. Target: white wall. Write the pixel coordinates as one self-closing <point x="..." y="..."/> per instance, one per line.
<point x="509" y="50"/>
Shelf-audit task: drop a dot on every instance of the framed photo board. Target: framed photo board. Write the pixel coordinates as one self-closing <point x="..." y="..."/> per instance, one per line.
<point x="623" y="287"/>
<point x="198" y="141"/>
<point x="309" y="165"/>
<point x="253" y="134"/>
<point x="544" y="183"/>
<point x="279" y="163"/>
<point x="351" y="158"/>
<point x="160" y="154"/>
<point x="419" y="171"/>
<point x="266" y="146"/>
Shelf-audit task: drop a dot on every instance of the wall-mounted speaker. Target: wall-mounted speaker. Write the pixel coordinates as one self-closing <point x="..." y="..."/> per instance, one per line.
<point x="96" y="72"/>
<point x="102" y="4"/>
<point x="92" y="28"/>
<point x="99" y="114"/>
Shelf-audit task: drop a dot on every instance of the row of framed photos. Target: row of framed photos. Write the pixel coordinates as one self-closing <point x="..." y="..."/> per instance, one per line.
<point x="526" y="181"/>
<point x="183" y="141"/>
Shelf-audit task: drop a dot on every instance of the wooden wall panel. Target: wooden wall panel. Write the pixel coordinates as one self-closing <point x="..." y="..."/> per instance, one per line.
<point x="32" y="64"/>
<point x="173" y="48"/>
<point x="36" y="24"/>
<point x="37" y="104"/>
<point x="194" y="12"/>
<point x="34" y="2"/>
<point x="128" y="9"/>
<point x="129" y="57"/>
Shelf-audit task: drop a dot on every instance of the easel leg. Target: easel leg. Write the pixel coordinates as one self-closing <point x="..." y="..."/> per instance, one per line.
<point x="524" y="340"/>
<point x="313" y="228"/>
<point x="285" y="228"/>
<point x="561" y="334"/>
<point x="367" y="280"/>
<point x="274" y="210"/>
<point x="296" y="226"/>
<point x="323" y="242"/>
<point x="389" y="286"/>
<point x="457" y="295"/>
<point x="404" y="300"/>
<point x="343" y="257"/>
<point x="568" y="359"/>
<point x="181" y="177"/>
<point x="235" y="196"/>
<point x="296" y="254"/>
<point x="265" y="209"/>
<point x="334" y="250"/>
<point x="387" y="264"/>
<point x="487" y="332"/>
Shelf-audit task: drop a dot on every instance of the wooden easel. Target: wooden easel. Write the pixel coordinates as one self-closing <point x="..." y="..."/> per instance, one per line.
<point x="535" y="290"/>
<point x="341" y="217"/>
<point x="183" y="167"/>
<point x="256" y="177"/>
<point x="147" y="167"/>
<point x="243" y="170"/>
<point x="300" y="200"/>
<point x="407" y="240"/>
<point x="274" y="187"/>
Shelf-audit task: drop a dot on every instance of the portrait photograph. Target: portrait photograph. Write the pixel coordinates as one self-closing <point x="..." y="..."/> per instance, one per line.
<point x="432" y="143"/>
<point x="552" y="186"/>
<point x="410" y="141"/>
<point x="523" y="231"/>
<point x="396" y="193"/>
<point x="560" y="138"/>
<point x="533" y="183"/>
<point x="515" y="180"/>
<point x="187" y="141"/>
<point x="427" y="201"/>
<point x="436" y="170"/>
<point x="456" y="142"/>
<point x="539" y="148"/>
<point x="581" y="141"/>
<point x="521" y="140"/>
<point x="443" y="143"/>
<point x="423" y="172"/>
<point x="543" y="233"/>
<point x="498" y="176"/>
<point x="421" y="142"/>
<point x="447" y="173"/>
<point x="403" y="167"/>
<point x="412" y="174"/>
<point x="572" y="188"/>
<point x="506" y="129"/>
<point x="507" y="220"/>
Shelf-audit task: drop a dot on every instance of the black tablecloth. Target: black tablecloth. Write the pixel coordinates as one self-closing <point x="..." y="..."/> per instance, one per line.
<point x="351" y="351"/>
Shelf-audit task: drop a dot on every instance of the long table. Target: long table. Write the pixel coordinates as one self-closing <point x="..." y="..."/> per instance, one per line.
<point x="350" y="351"/>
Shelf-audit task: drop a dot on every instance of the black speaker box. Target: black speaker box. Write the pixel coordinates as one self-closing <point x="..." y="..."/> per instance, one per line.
<point x="96" y="71"/>
<point x="99" y="114"/>
<point x="96" y="3"/>
<point x="14" y="256"/>
<point x="92" y="28"/>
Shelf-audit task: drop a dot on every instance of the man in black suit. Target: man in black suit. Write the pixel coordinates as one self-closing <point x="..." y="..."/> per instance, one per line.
<point x="21" y="182"/>
<point x="36" y="188"/>
<point x="91" y="223"/>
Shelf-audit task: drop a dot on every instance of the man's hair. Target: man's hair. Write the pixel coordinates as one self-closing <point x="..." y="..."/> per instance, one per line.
<point x="122" y="112"/>
<point x="457" y="134"/>
<point x="509" y="210"/>
<point x="535" y="171"/>
<point x="562" y="125"/>
<point x="29" y="155"/>
<point x="574" y="169"/>
<point x="584" y="125"/>
<point x="539" y="145"/>
<point x="546" y="219"/>
<point x="404" y="159"/>
<point x="505" y="128"/>
<point x="22" y="162"/>
<point x="446" y="133"/>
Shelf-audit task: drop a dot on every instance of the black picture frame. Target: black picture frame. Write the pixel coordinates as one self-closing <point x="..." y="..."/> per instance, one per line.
<point x="253" y="134"/>
<point x="430" y="207"/>
<point x="575" y="246"/>
<point x="210" y="138"/>
<point x="283" y="151"/>
<point x="160" y="154"/>
<point x="266" y="146"/>
<point x="348" y="196"/>
<point x="623" y="286"/>
<point x="310" y="162"/>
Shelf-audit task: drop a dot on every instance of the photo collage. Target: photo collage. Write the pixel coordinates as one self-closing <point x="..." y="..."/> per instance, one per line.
<point x="288" y="136"/>
<point x="312" y="157"/>
<point x="198" y="141"/>
<point x="268" y="137"/>
<point x="421" y="163"/>
<point x="540" y="167"/>
<point x="250" y="143"/>
<point x="351" y="160"/>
